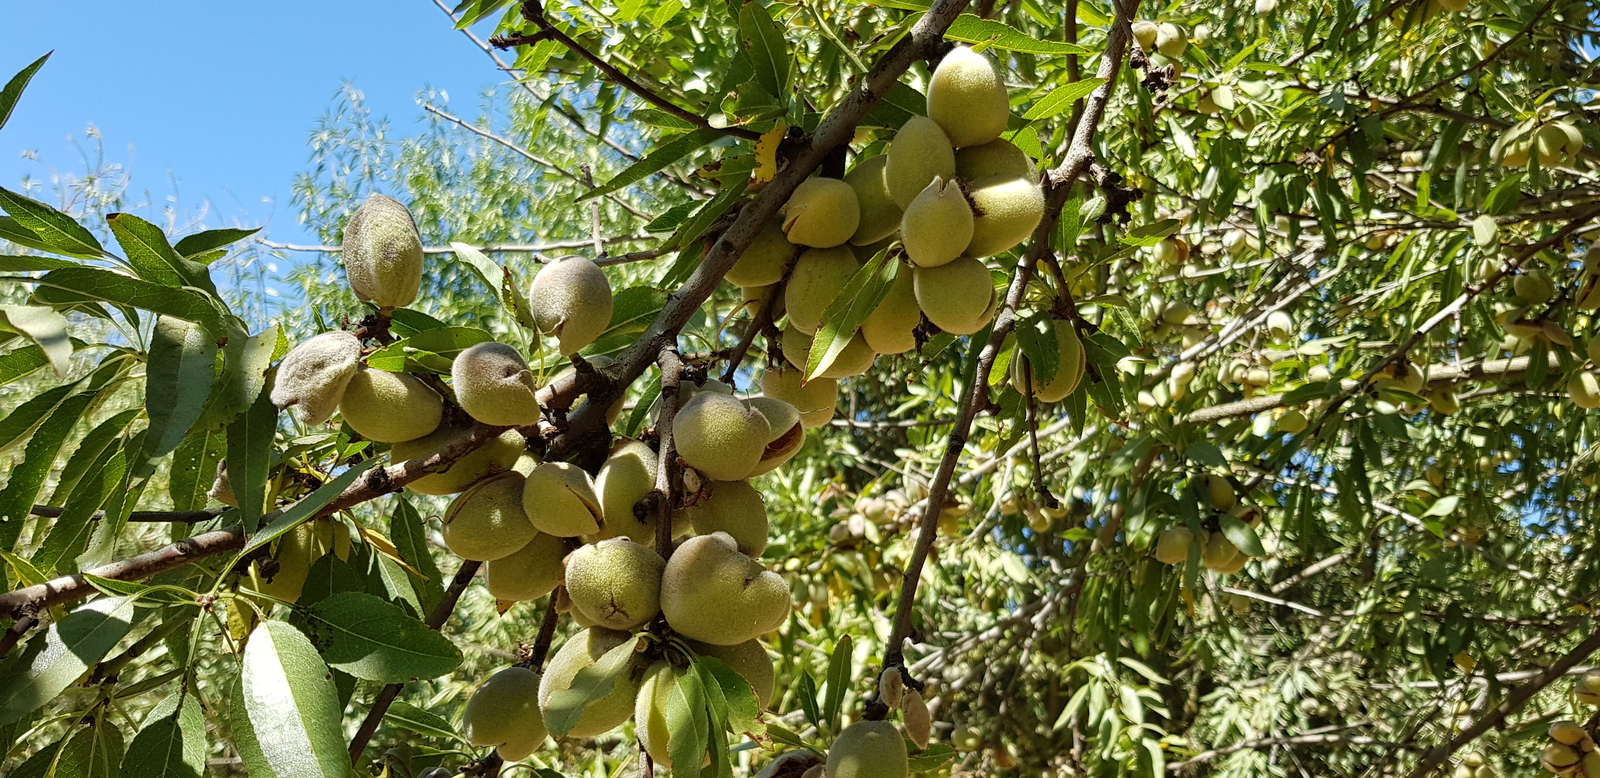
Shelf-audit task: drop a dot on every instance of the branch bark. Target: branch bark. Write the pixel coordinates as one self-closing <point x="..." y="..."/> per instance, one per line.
<point x="31" y="600"/>
<point x="1438" y="375"/>
<point x="1058" y="183"/>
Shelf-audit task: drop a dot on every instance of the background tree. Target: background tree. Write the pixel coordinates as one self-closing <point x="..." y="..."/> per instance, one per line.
<point x="1321" y="503"/>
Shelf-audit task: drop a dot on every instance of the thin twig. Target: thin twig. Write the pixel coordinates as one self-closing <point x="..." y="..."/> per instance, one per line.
<point x="666" y="471"/>
<point x="534" y="12"/>
<point x="136" y="517"/>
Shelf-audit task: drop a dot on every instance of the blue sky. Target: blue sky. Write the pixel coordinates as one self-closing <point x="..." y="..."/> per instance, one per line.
<point x="220" y="97"/>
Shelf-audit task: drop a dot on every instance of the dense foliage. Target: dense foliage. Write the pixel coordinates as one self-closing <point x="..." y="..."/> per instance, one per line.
<point x="1329" y="268"/>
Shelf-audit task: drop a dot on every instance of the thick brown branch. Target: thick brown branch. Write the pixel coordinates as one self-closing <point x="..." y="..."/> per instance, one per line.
<point x="436" y="619"/>
<point x="534" y="13"/>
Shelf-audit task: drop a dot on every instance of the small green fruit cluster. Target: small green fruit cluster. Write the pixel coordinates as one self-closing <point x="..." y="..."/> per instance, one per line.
<point x="1552" y="143"/>
<point x="1572" y="753"/>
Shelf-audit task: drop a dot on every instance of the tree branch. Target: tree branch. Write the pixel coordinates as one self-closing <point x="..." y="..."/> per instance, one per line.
<point x="30" y="600"/>
<point x="1513" y="702"/>
<point x="1058" y="183"/>
<point x="533" y="11"/>
<point x="137" y="517"/>
<point x="436" y="619"/>
<point x="1438" y="375"/>
<point x="667" y="469"/>
<point x="835" y="130"/>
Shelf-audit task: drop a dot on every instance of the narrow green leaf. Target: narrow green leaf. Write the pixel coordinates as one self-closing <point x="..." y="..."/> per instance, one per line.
<point x="20" y="363"/>
<point x="55" y="229"/>
<point x="69" y="532"/>
<point x="183" y="361"/>
<point x="245" y="361"/>
<point x="28" y="476"/>
<point x="414" y="719"/>
<point x="62" y="655"/>
<point x="172" y="743"/>
<point x="210" y="240"/>
<point x="763" y="43"/>
<point x="973" y="29"/>
<point x="153" y="258"/>
<point x="932" y="758"/>
<point x="667" y="153"/>
<point x="194" y="468"/>
<point x="290" y="705"/>
<point x="854" y="303"/>
<point x="1060" y="99"/>
<point x="1242" y="536"/>
<point x="744" y="709"/>
<point x="45" y="328"/>
<point x="591" y="683"/>
<point x="89" y="752"/>
<point x="500" y="280"/>
<point x="840" y="670"/>
<point x="688" y="723"/>
<point x="807" y="692"/>
<point x="1036" y="336"/>
<point x="375" y="640"/>
<point x="10" y="263"/>
<point x="307" y="506"/>
<point x="249" y="454"/>
<point x="12" y="92"/>
<point x="409" y="534"/>
<point x="82" y="284"/>
<point x="1150" y="234"/>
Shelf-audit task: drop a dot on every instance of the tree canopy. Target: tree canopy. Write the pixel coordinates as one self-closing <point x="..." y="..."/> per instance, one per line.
<point x="1210" y="397"/>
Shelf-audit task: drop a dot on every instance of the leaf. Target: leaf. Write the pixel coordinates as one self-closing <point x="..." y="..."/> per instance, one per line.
<point x="90" y="752"/>
<point x="55" y="229"/>
<point x="13" y="263"/>
<point x="499" y="280"/>
<point x="1150" y="234"/>
<point x="897" y="107"/>
<point x="972" y="29"/>
<point x="307" y="506"/>
<point x="744" y="709"/>
<point x="211" y="240"/>
<point x="1242" y="536"/>
<point x="249" y="455"/>
<point x="1484" y="229"/>
<point x="1444" y="506"/>
<point x="410" y="537"/>
<point x="763" y="43"/>
<point x="854" y="303"/>
<point x="290" y="706"/>
<point x="69" y="533"/>
<point x="13" y="88"/>
<point x="1036" y="336"/>
<point x="591" y="684"/>
<point x="183" y="362"/>
<point x="934" y="757"/>
<point x="245" y="361"/>
<point x="375" y="640"/>
<point x="839" y="674"/>
<point x="414" y="719"/>
<point x="27" y="477"/>
<point x="1060" y="99"/>
<point x="661" y="156"/>
<point x="687" y="721"/>
<point x="44" y="327"/>
<point x="172" y="743"/>
<point x="807" y="692"/>
<point x="81" y="284"/>
<point x="63" y="654"/>
<point x="20" y="363"/>
<point x="153" y="258"/>
<point x="194" y="469"/>
<point x="1204" y="452"/>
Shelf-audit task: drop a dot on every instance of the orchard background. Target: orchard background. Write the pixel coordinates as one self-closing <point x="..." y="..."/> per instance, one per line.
<point x="1327" y="262"/>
